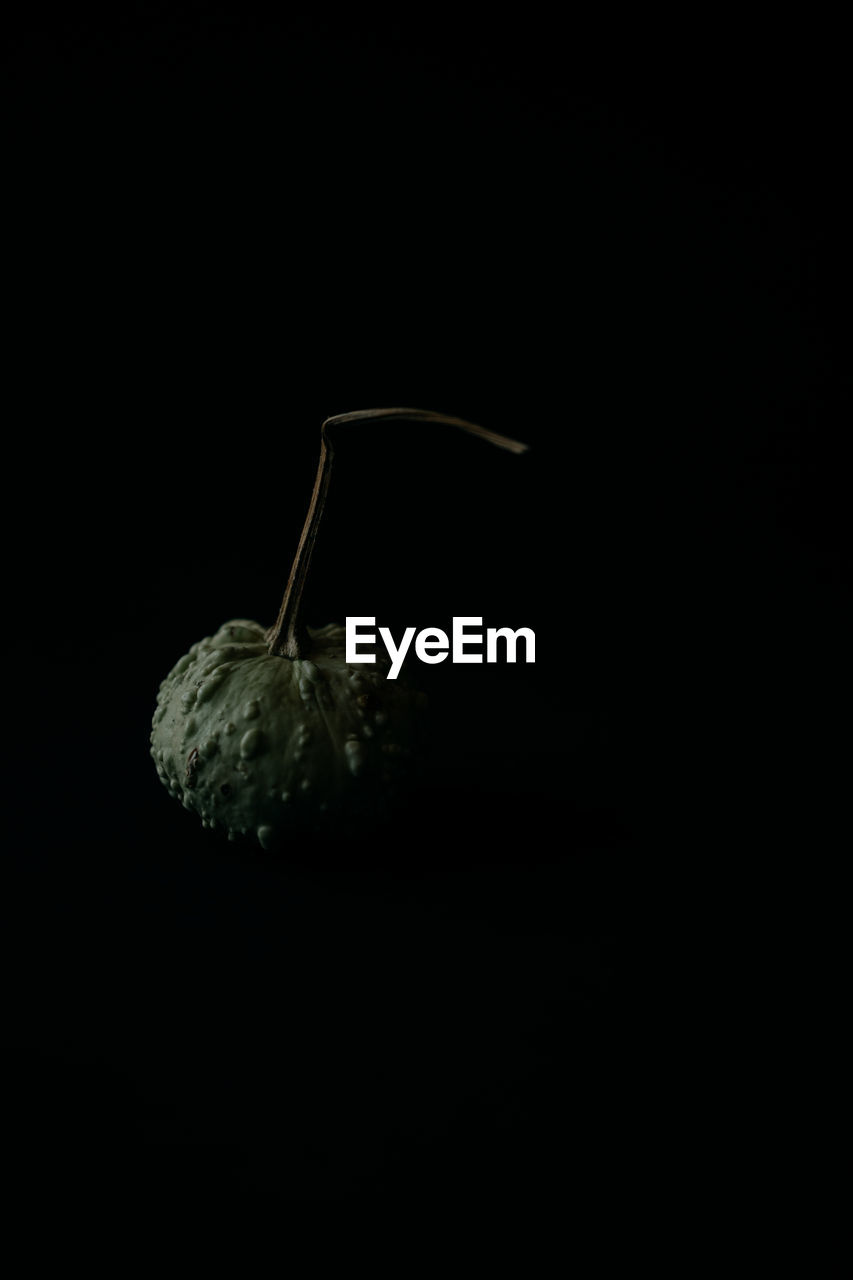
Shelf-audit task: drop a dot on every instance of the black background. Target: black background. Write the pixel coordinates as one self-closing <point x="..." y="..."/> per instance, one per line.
<point x="619" y="244"/>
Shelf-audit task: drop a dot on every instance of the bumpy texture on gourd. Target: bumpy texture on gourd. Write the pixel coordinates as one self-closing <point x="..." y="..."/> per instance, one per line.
<point x="262" y="745"/>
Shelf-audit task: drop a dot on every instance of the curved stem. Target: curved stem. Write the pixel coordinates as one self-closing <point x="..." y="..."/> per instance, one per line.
<point x="289" y="637"/>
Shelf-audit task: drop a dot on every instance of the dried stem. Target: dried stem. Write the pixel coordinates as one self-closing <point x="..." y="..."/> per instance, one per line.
<point x="289" y="638"/>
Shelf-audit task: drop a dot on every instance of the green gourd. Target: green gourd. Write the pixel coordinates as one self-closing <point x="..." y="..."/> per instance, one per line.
<point x="264" y="733"/>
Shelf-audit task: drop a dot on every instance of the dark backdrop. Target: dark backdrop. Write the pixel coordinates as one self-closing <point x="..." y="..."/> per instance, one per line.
<point x="620" y="246"/>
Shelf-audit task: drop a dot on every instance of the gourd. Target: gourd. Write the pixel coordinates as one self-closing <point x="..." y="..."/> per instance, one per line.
<point x="265" y="733"/>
